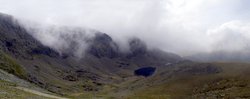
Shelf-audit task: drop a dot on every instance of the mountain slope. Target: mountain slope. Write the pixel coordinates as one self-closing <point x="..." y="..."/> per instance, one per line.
<point x="100" y="69"/>
<point x="62" y="72"/>
<point x="11" y="87"/>
<point x="42" y="65"/>
<point x="231" y="82"/>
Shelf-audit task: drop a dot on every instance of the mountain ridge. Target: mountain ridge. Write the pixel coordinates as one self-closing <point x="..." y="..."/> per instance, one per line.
<point x="100" y="67"/>
<point x="101" y="60"/>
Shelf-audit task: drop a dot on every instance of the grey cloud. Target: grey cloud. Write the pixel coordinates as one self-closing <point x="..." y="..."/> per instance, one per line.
<point x="178" y="26"/>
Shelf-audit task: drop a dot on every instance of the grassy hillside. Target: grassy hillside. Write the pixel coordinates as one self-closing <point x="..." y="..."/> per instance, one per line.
<point x="12" y="87"/>
<point x="8" y="64"/>
<point x="233" y="82"/>
<point x="105" y="72"/>
<point x="8" y="91"/>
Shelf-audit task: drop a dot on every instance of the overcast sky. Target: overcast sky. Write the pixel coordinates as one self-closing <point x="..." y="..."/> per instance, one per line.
<point x="180" y="26"/>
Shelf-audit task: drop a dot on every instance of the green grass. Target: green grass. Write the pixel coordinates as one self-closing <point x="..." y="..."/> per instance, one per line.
<point x="8" y="91"/>
<point x="233" y="82"/>
<point x="10" y="65"/>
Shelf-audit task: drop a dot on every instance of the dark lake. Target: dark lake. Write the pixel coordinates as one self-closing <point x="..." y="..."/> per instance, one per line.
<point x="145" y="71"/>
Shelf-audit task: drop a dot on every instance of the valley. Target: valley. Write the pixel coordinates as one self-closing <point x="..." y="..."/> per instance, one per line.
<point x="30" y="69"/>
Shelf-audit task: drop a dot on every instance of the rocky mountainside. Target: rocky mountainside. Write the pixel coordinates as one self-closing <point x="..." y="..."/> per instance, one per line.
<point x="48" y="67"/>
<point x="101" y="68"/>
<point x="35" y="62"/>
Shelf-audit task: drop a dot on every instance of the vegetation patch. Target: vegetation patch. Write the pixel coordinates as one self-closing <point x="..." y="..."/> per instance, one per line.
<point x="10" y="65"/>
<point x="8" y="90"/>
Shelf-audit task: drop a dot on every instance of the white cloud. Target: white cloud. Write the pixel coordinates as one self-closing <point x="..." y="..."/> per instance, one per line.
<point x="178" y="26"/>
<point x="231" y="36"/>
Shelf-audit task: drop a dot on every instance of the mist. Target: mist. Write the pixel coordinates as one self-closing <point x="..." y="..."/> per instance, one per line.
<point x="184" y="27"/>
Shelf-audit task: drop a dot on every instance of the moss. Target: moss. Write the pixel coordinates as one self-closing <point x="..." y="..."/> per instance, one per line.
<point x="10" y="65"/>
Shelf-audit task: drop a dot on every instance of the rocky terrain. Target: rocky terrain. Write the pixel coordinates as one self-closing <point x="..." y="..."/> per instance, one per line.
<point x="104" y="71"/>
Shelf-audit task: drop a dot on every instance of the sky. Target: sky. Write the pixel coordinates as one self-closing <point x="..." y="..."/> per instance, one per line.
<point x="184" y="27"/>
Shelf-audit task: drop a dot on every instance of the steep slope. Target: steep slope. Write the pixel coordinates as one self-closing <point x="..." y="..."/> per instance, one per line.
<point x="99" y="68"/>
<point x="27" y="58"/>
<point x="61" y="71"/>
<point x="12" y="87"/>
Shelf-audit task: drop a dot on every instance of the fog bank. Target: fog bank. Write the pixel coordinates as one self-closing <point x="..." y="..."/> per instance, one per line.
<point x="180" y="26"/>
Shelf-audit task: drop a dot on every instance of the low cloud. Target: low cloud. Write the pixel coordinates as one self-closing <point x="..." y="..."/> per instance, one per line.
<point x="64" y="39"/>
<point x="233" y="36"/>
<point x="179" y="26"/>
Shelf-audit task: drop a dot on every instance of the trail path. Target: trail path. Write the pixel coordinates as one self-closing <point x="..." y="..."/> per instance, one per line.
<point x="40" y="93"/>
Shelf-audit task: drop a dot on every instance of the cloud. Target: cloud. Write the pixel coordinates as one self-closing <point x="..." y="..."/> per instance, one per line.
<point x="232" y="36"/>
<point x="180" y="26"/>
<point x="64" y="39"/>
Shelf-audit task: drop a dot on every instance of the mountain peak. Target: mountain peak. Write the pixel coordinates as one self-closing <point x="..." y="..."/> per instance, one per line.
<point x="102" y="45"/>
<point x="137" y="46"/>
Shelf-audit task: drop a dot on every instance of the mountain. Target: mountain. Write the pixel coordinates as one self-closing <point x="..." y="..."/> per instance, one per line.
<point x="87" y="66"/>
<point x="33" y="61"/>
<point x="28" y="58"/>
